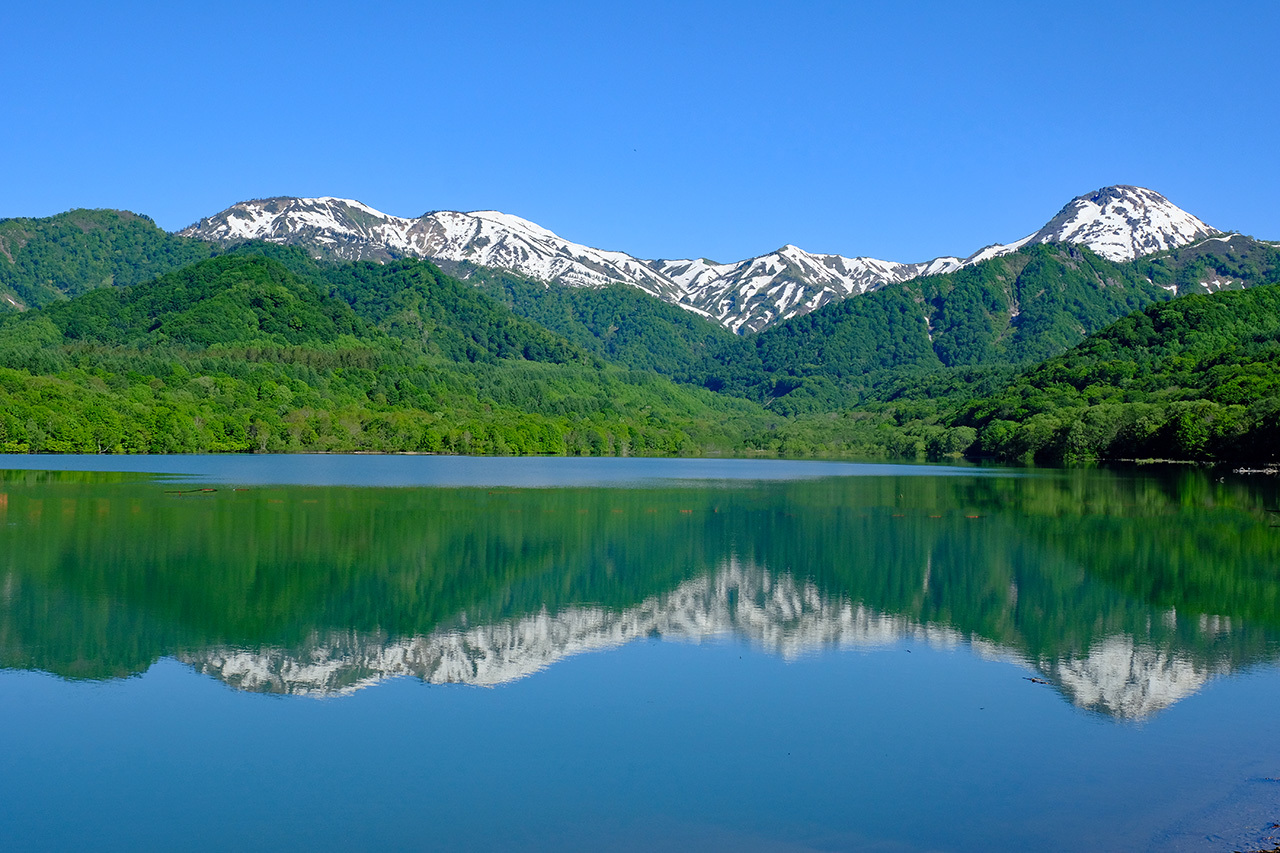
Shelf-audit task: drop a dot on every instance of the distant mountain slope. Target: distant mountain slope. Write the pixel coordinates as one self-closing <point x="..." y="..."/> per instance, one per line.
<point x="43" y="260"/>
<point x="1008" y="310"/>
<point x="1227" y="262"/>
<point x="616" y="322"/>
<point x="1119" y="223"/>
<point x="413" y="301"/>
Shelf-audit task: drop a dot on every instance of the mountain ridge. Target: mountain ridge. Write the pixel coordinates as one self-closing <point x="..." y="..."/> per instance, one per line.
<point x="1118" y="222"/>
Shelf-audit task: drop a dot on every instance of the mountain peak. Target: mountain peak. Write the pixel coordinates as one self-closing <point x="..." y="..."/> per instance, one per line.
<point x="1118" y="222"/>
<point x="1123" y="222"/>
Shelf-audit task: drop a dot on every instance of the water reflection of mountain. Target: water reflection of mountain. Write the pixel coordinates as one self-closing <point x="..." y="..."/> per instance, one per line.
<point x="1120" y="677"/>
<point x="1127" y="592"/>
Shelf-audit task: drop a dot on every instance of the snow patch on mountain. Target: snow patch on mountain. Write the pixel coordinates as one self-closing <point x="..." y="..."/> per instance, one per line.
<point x="1119" y="223"/>
<point x="753" y="294"/>
<point x="1122" y="223"/>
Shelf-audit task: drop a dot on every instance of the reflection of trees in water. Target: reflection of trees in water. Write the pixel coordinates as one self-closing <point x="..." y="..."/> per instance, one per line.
<point x="1104" y="581"/>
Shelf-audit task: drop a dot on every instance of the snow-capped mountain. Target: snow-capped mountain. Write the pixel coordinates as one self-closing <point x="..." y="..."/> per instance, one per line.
<point x="1123" y="223"/>
<point x="1118" y="222"/>
<point x="349" y="230"/>
<point x="752" y="294"/>
<point x="1121" y="676"/>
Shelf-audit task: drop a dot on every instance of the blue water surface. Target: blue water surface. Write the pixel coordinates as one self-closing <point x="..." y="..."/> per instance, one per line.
<point x="746" y="655"/>
<point x="480" y="471"/>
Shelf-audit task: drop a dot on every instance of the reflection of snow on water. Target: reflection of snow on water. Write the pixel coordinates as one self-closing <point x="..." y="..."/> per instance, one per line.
<point x="1128" y="679"/>
<point x="776" y="613"/>
<point x="1215" y="625"/>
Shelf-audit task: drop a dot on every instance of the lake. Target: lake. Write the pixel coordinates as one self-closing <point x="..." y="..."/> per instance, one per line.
<point x="340" y="652"/>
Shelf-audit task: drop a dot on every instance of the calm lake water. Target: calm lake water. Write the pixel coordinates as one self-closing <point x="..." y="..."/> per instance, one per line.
<point x="466" y="654"/>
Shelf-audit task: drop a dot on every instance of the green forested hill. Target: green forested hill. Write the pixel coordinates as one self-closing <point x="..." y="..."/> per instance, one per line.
<point x="239" y="353"/>
<point x="1195" y="378"/>
<point x="414" y="302"/>
<point x="42" y="260"/>
<point x="228" y="300"/>
<point x="618" y="323"/>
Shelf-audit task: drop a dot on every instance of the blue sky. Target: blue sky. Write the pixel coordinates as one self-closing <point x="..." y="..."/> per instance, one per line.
<point x="898" y="130"/>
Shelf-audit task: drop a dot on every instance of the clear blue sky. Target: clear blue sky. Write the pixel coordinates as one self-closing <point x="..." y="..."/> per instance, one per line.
<point x="898" y="130"/>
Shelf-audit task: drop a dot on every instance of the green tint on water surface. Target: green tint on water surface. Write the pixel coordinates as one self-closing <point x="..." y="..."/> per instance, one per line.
<point x="1069" y="660"/>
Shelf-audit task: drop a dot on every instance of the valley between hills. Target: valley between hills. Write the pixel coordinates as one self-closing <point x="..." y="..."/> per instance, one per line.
<point x="1124" y="328"/>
